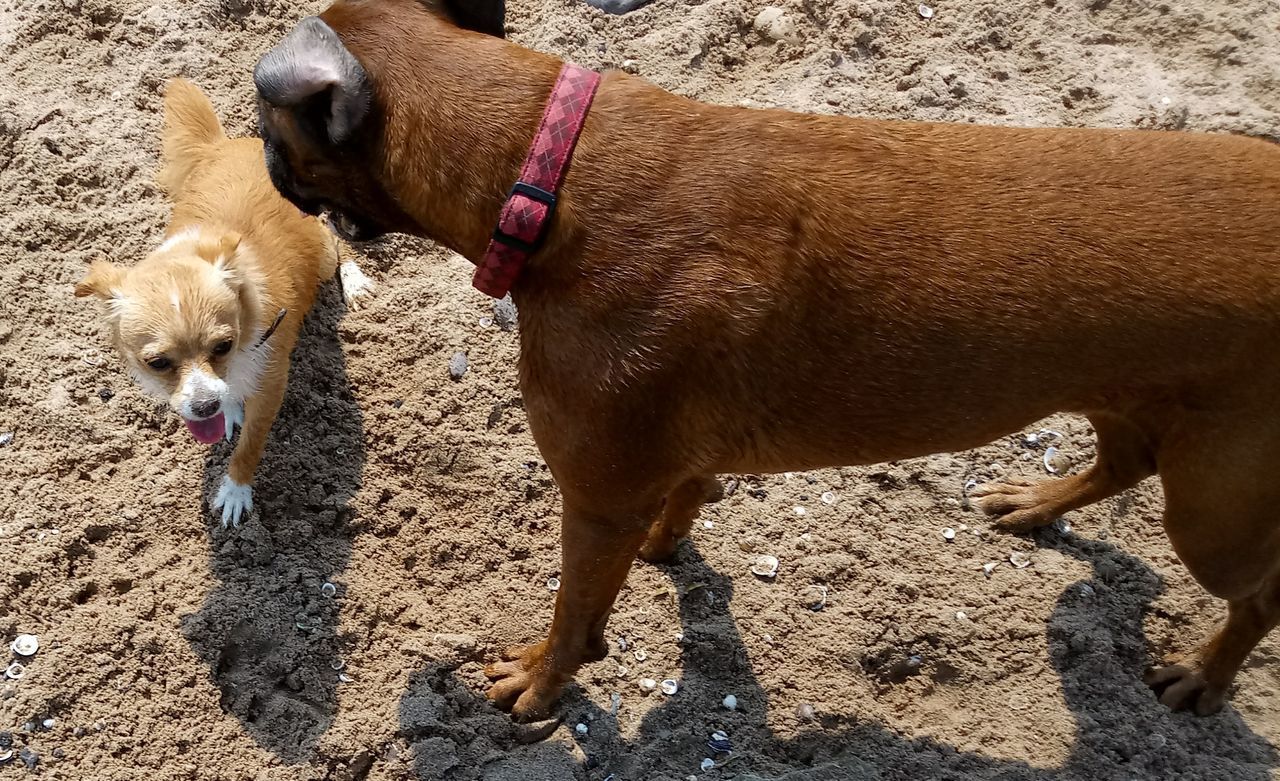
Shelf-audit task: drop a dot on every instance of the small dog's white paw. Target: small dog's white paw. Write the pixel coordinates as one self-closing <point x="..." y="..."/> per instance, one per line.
<point x="234" y="500"/>
<point x="233" y="415"/>
<point x="356" y="287"/>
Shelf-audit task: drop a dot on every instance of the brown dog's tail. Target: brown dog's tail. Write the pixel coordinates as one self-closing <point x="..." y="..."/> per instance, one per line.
<point x="189" y="127"/>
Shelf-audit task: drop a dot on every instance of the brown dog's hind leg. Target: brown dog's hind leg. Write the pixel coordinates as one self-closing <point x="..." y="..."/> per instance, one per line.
<point x="1199" y="681"/>
<point x="1221" y="500"/>
<point x="597" y="553"/>
<point x="1124" y="459"/>
<point x="678" y="513"/>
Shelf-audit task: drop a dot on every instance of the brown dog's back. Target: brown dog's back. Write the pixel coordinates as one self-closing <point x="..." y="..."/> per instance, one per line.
<point x="822" y="266"/>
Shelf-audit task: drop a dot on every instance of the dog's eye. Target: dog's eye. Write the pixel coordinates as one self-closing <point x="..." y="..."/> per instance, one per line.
<point x="160" y="363"/>
<point x="222" y="348"/>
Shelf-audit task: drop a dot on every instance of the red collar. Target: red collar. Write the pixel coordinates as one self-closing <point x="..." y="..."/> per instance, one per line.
<point x="524" y="219"/>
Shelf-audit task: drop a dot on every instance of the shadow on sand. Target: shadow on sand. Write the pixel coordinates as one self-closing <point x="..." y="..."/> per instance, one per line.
<point x="1096" y="643"/>
<point x="267" y="631"/>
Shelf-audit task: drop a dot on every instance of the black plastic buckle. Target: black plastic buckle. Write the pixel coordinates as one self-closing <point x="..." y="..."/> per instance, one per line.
<point x="533" y="193"/>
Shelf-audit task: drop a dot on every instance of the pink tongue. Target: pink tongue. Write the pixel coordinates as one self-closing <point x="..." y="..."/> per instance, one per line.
<point x="209" y="430"/>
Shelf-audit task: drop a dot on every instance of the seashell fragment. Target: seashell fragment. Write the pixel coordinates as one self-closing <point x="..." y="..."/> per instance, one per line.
<point x="765" y="566"/>
<point x="25" y="645"/>
<point x="669" y="686"/>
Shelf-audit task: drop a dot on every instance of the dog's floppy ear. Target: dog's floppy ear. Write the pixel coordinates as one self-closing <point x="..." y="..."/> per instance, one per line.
<point x="483" y="16"/>
<point x="311" y="73"/>
<point x="102" y="280"/>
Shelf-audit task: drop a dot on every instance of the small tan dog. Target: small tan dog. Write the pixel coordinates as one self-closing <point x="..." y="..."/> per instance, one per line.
<point x="207" y="321"/>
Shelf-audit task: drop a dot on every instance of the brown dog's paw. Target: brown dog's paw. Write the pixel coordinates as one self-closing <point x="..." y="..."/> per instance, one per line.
<point x="1183" y="687"/>
<point x="659" y="548"/>
<point x="524" y="684"/>
<point x="1016" y="505"/>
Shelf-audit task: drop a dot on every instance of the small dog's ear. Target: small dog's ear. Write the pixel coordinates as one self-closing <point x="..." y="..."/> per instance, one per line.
<point x="312" y="74"/>
<point x="102" y="280"/>
<point x="221" y="252"/>
<point x="483" y="16"/>
<point x="218" y="249"/>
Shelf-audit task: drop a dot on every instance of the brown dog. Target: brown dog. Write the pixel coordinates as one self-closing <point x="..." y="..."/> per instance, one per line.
<point x="733" y="290"/>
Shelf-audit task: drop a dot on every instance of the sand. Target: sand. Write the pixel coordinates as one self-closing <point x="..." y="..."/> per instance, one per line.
<point x="172" y="650"/>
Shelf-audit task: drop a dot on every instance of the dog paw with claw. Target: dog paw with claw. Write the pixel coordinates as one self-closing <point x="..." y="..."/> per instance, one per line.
<point x="356" y="286"/>
<point x="1015" y="505"/>
<point x="524" y="683"/>
<point x="1182" y="686"/>
<point x="234" y="500"/>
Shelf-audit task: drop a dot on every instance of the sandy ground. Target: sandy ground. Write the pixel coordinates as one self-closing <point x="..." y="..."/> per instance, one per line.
<point x="174" y="650"/>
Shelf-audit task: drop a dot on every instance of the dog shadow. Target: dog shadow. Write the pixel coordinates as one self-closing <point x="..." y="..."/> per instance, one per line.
<point x="1096" y="644"/>
<point x="268" y="630"/>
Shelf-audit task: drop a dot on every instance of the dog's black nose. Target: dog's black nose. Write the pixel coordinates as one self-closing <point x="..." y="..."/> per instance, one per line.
<point x="205" y="409"/>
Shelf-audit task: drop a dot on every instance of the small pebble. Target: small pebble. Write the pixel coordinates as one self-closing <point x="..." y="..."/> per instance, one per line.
<point x="1062" y="525"/>
<point x="730" y="702"/>
<point x="504" y="313"/>
<point x="961" y="615"/>
<point x="59" y="753"/>
<point x="925" y="11"/>
<point x="106" y="394"/>
<point x="553" y="584"/>
<point x="48" y="723"/>
<point x="669" y="686"/>
<point x="800" y="510"/>
<point x="6" y="739"/>
<point x="458" y="365"/>
<point x="615" y="702"/>
<point x="773" y="23"/>
<point x="6" y="438"/>
<point x="328" y="589"/>
<point x="648" y="684"/>
<point x="708" y="524"/>
<point x="806" y="712"/>
<point x="948" y="534"/>
<point x="581" y="729"/>
<point x="815" y="597"/>
<point x="29" y="758"/>
<point x="630" y="66"/>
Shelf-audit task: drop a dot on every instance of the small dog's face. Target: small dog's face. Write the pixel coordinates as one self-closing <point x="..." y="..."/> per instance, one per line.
<point x="180" y="319"/>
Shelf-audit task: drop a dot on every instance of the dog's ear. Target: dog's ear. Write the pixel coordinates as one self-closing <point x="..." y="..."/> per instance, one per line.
<point x="312" y="74"/>
<point x="102" y="280"/>
<point x="221" y="252"/>
<point x="483" y="16"/>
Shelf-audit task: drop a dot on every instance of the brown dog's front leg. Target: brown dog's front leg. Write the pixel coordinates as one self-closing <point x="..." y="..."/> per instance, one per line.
<point x="597" y="552"/>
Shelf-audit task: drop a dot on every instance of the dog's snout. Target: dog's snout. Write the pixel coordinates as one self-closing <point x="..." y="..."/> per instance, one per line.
<point x="206" y="408"/>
